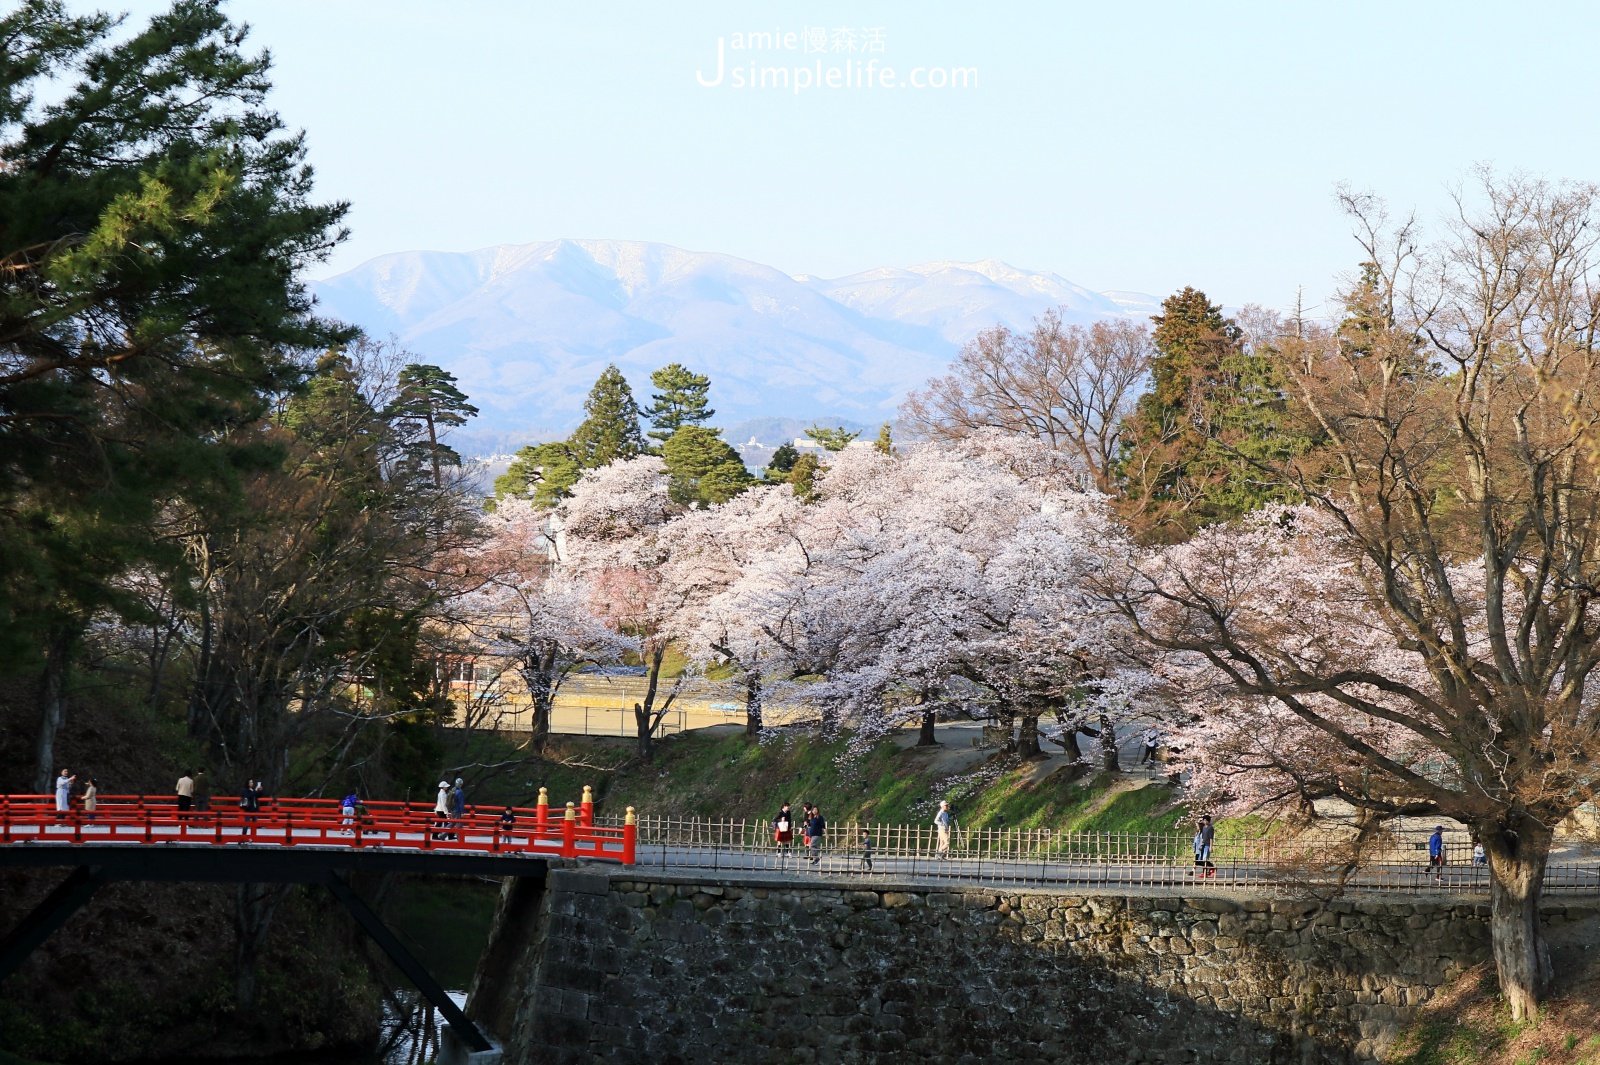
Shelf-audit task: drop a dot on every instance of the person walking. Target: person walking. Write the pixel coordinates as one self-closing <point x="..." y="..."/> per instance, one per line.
<point x="1478" y="857"/>
<point x="202" y="792"/>
<point x="64" y="793"/>
<point x="783" y="834"/>
<point x="815" y="826"/>
<point x="943" y="822"/>
<point x="866" y="851"/>
<point x="1436" y="853"/>
<point x="1152" y="740"/>
<point x="458" y="805"/>
<point x="1204" y="836"/>
<point x="91" y="798"/>
<point x="185" y="790"/>
<point x="441" y="811"/>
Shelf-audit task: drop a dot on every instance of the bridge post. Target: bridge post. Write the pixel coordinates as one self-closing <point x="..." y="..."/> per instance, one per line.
<point x="471" y="1038"/>
<point x="541" y="812"/>
<point x="569" y="833"/>
<point x="48" y="916"/>
<point x="630" y="836"/>
<point x="586" y="808"/>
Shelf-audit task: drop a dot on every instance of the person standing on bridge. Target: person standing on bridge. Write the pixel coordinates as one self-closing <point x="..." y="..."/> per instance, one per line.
<point x="185" y="791"/>
<point x="1436" y="853"/>
<point x="202" y="792"/>
<point x="815" y="826"/>
<point x="91" y="798"/>
<point x="783" y="828"/>
<point x="943" y="822"/>
<point x="458" y="804"/>
<point x="1204" y="836"/>
<point x="64" y="793"/>
<point x="347" y="812"/>
<point x="441" y="810"/>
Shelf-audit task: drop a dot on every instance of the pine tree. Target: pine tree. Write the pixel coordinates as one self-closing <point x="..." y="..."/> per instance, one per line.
<point x="611" y="429"/>
<point x="156" y="218"/>
<point x="427" y="401"/>
<point x="784" y="456"/>
<point x="703" y="467"/>
<point x="832" y="439"/>
<point x="543" y="472"/>
<point x="681" y="401"/>
<point x="885" y="442"/>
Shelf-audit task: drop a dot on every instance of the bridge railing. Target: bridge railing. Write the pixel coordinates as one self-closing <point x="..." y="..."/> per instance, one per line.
<point x="1048" y="857"/>
<point x="136" y="819"/>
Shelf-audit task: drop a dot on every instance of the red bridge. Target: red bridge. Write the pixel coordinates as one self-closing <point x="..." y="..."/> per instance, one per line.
<point x="138" y="819"/>
<point x="293" y="841"/>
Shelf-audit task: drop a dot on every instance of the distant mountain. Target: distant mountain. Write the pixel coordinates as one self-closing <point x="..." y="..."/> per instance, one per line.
<point x="527" y="328"/>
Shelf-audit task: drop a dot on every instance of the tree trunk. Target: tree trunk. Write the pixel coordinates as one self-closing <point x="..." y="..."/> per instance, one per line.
<point x="1517" y="859"/>
<point x="925" y="736"/>
<point x="1028" y="741"/>
<point x="644" y="713"/>
<point x="752" y="704"/>
<point x="52" y="707"/>
<point x="1108" y="745"/>
<point x="541" y="693"/>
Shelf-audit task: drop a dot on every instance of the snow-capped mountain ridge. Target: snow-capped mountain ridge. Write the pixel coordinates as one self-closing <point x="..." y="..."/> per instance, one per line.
<point x="528" y="327"/>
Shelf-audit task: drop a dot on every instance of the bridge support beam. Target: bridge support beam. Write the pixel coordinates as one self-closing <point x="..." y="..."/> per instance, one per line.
<point x="473" y="1046"/>
<point x="49" y="915"/>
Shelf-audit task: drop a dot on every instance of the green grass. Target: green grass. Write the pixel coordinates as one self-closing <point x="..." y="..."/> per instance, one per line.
<point x="699" y="775"/>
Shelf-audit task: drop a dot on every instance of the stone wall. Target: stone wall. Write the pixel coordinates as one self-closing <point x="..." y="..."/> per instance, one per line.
<point x="670" y="970"/>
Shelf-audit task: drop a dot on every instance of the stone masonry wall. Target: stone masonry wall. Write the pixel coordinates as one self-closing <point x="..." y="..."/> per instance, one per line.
<point x="667" y="970"/>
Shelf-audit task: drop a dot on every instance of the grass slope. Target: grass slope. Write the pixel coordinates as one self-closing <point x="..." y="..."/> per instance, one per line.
<point x="707" y="775"/>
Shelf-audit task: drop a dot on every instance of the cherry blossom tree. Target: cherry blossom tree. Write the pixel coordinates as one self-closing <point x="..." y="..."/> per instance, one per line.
<point x="1433" y="635"/>
<point x="611" y="541"/>
<point x="527" y="613"/>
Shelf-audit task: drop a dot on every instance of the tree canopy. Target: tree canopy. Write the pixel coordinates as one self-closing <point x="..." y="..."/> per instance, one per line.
<point x="682" y="400"/>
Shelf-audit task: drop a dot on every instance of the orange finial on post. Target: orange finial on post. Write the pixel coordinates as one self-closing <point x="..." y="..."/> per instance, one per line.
<point x="630" y="836"/>
<point x="541" y="816"/>
<point x="586" y="809"/>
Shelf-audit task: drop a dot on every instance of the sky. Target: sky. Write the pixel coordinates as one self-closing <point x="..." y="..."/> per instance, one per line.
<point x="1137" y="146"/>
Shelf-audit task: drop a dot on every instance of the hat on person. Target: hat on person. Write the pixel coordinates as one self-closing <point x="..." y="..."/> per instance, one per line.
<point x="942" y="802"/>
<point x="458" y="780"/>
<point x="443" y="784"/>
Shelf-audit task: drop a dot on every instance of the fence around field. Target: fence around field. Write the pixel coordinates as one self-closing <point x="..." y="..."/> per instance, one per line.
<point x="1045" y="858"/>
<point x="136" y="819"/>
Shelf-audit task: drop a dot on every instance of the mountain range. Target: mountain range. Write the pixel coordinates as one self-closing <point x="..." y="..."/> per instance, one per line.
<point x="527" y="328"/>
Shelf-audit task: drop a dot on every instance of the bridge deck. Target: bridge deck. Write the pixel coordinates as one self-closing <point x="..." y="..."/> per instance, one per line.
<point x="133" y="821"/>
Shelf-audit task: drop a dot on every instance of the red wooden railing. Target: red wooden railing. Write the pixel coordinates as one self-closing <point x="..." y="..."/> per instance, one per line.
<point x="142" y="819"/>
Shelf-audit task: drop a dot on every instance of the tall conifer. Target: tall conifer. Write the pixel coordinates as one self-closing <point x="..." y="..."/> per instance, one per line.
<point x="611" y="429"/>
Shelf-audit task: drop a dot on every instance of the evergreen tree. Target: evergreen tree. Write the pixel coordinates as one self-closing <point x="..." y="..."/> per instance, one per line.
<point x="784" y="456"/>
<point x="1201" y="444"/>
<point x="610" y="430"/>
<point x="885" y="442"/>
<point x="803" y="477"/>
<point x="832" y="439"/>
<point x="154" y="218"/>
<point x="543" y="472"/>
<point x="681" y="401"/>
<point x="427" y="401"/>
<point x="703" y="467"/>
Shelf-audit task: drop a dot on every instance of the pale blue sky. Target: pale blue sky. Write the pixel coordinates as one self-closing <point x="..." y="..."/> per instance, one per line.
<point x="1137" y="146"/>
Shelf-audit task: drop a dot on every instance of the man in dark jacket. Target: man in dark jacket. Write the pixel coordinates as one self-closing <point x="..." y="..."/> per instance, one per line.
<point x="815" y="826"/>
